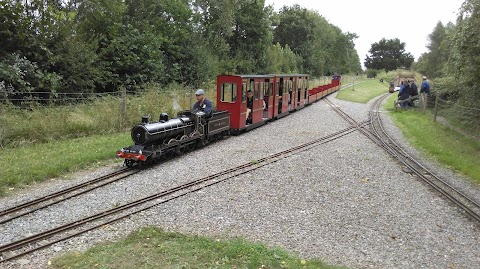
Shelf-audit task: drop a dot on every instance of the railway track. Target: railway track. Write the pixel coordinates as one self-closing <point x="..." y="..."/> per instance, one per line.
<point x="47" y="238"/>
<point x="378" y="135"/>
<point x="23" y="209"/>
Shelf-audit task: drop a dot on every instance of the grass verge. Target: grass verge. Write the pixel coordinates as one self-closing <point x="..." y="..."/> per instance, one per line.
<point x="24" y="165"/>
<point x="449" y="147"/>
<point x="153" y="248"/>
<point x="364" y="91"/>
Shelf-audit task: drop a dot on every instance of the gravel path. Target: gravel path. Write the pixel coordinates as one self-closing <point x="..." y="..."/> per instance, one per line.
<point x="345" y="202"/>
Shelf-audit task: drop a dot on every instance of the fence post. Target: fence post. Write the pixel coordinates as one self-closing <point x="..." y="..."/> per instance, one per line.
<point x="423" y="102"/>
<point x="425" y="98"/>
<point x="123" y="89"/>
<point x="420" y="102"/>
<point x="436" y="109"/>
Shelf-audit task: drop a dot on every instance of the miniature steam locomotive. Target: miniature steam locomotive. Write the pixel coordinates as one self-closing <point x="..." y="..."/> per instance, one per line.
<point x="169" y="136"/>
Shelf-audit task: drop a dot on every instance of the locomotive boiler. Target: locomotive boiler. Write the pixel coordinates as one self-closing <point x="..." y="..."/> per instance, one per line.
<point x="164" y="130"/>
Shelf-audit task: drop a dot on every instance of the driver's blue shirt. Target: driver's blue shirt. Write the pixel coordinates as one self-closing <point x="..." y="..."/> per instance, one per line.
<point x="206" y="106"/>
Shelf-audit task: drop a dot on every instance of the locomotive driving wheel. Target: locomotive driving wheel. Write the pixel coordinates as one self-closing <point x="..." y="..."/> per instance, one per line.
<point x="179" y="150"/>
<point x="190" y="146"/>
<point x="201" y="142"/>
<point x="182" y="148"/>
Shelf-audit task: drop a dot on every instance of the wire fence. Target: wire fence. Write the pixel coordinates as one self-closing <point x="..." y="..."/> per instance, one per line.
<point x="457" y="115"/>
<point x="462" y="118"/>
<point x="29" y="120"/>
<point x="26" y="99"/>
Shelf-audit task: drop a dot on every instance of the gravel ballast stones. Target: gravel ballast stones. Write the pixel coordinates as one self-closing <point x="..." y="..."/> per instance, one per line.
<point x="346" y="202"/>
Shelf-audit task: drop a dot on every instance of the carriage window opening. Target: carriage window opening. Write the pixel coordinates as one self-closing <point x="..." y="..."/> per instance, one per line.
<point x="270" y="89"/>
<point x="244" y="92"/>
<point x="265" y="89"/>
<point x="256" y="92"/>
<point x="278" y="88"/>
<point x="228" y="93"/>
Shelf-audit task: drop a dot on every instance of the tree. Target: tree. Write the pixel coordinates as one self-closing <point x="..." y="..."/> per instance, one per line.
<point x="214" y="21"/>
<point x="132" y="58"/>
<point x="322" y="47"/>
<point x="300" y="29"/>
<point x="282" y="60"/>
<point x="465" y="56"/>
<point x="388" y="55"/>
<point x="433" y="63"/>
<point x="251" y="37"/>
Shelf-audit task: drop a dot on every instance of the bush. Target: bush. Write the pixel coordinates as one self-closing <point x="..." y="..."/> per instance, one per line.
<point x="372" y="73"/>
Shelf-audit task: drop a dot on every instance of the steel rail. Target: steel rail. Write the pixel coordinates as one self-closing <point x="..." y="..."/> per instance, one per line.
<point x="381" y="138"/>
<point x="37" y="242"/>
<point x="23" y="209"/>
<point x="471" y="207"/>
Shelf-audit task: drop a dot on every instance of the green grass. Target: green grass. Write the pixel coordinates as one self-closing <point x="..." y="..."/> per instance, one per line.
<point x="449" y="147"/>
<point x="23" y="165"/>
<point x="154" y="248"/>
<point x="41" y="124"/>
<point x="364" y="91"/>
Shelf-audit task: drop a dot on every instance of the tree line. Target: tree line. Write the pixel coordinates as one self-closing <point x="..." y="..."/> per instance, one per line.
<point x="453" y="57"/>
<point x="101" y="45"/>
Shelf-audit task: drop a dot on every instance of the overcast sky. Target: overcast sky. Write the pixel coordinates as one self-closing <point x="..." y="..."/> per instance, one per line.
<point x="409" y="20"/>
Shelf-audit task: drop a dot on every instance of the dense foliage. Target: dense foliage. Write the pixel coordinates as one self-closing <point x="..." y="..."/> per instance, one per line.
<point x="453" y="61"/>
<point x="322" y="47"/>
<point x="100" y="45"/>
<point x="388" y="54"/>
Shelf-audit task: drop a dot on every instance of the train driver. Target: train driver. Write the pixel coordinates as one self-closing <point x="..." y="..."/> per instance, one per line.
<point x="203" y="104"/>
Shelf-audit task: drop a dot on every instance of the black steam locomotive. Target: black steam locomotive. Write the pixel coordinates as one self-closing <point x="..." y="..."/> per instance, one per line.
<point x="168" y="137"/>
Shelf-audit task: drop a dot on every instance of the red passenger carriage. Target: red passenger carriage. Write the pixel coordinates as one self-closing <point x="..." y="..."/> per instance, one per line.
<point x="274" y="97"/>
<point x="232" y="96"/>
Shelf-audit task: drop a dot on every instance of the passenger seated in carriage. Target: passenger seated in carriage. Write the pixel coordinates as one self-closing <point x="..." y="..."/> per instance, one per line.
<point x="249" y="106"/>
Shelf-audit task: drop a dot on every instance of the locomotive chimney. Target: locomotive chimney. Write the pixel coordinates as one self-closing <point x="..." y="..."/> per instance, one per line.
<point x="163" y="117"/>
<point x="145" y="120"/>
